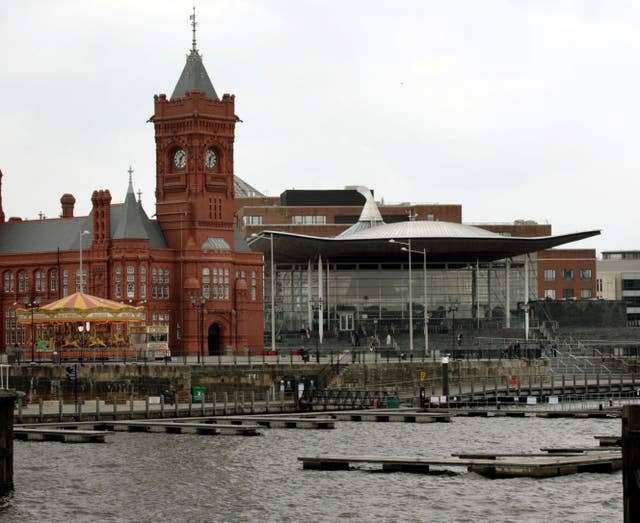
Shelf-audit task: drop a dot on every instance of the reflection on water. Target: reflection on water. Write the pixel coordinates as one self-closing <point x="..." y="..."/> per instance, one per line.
<point x="164" y="477"/>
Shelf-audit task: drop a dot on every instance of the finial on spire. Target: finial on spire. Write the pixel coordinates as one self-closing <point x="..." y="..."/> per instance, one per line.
<point x="130" y="171"/>
<point x="193" y="28"/>
<point x="139" y="196"/>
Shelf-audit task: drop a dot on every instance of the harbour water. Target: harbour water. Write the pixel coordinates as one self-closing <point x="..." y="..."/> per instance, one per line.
<point x="168" y="477"/>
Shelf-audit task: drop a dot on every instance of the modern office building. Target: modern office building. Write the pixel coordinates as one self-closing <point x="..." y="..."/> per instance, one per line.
<point x="618" y="278"/>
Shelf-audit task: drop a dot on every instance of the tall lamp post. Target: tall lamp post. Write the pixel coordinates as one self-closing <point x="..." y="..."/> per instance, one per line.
<point x="273" y="288"/>
<point x="198" y="303"/>
<point x="32" y="303"/>
<point x="82" y="233"/>
<point x="407" y="248"/>
<point x="317" y="305"/>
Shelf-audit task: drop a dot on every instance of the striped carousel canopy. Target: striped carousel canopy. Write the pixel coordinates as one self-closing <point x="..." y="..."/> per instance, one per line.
<point x="81" y="307"/>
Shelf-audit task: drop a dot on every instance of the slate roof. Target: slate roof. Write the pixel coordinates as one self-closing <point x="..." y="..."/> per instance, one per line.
<point x="194" y="77"/>
<point x="128" y="221"/>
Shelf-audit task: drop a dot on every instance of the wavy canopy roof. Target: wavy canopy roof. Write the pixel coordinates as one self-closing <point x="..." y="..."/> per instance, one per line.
<point x="369" y="240"/>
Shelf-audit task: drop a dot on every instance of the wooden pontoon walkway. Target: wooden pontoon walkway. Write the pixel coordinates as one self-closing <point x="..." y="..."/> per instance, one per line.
<point x="62" y="435"/>
<point x="384" y="415"/>
<point x="494" y="466"/>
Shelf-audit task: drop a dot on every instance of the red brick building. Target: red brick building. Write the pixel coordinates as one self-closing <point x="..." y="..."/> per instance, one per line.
<point x="191" y="252"/>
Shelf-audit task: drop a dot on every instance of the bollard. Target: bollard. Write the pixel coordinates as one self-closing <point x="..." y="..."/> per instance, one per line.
<point x="146" y="407"/>
<point x="445" y="378"/>
<point x="7" y="400"/>
<point x="631" y="462"/>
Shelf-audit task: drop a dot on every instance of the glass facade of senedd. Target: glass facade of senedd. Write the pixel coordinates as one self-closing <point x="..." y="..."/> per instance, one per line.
<point x="374" y="297"/>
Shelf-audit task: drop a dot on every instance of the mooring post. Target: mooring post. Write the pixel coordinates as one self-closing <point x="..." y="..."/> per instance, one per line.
<point x="631" y="462"/>
<point x="7" y="399"/>
<point x="445" y="378"/>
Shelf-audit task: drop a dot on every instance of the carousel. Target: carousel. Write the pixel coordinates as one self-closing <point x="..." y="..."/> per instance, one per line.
<point x="80" y="327"/>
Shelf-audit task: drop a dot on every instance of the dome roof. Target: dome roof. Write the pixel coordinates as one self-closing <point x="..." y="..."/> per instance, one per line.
<point x="421" y="229"/>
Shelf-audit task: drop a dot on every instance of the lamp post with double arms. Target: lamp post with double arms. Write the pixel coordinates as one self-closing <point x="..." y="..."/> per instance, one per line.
<point x="198" y="303"/>
<point x="407" y="248"/>
<point x="32" y="303"/>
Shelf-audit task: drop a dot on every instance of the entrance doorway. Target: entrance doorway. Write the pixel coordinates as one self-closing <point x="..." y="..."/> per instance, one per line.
<point x="213" y="339"/>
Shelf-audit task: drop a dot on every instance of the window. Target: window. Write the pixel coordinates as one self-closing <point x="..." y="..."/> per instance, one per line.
<point x="40" y="281"/>
<point x="206" y="282"/>
<point x="585" y="274"/>
<point x="65" y="282"/>
<point x="9" y="282"/>
<point x="550" y="294"/>
<point x="549" y="275"/>
<point x="23" y="281"/>
<point x="12" y="332"/>
<point x="254" y="286"/>
<point x="143" y="281"/>
<point x="631" y="285"/>
<point x="567" y="274"/>
<point x="599" y="285"/>
<point x="431" y="217"/>
<point x="568" y="293"/>
<point x="53" y="280"/>
<point x="309" y="220"/>
<point x="131" y="281"/>
<point x="165" y="284"/>
<point x="505" y="234"/>
<point x="252" y="220"/>
<point x="118" y="282"/>
<point x="585" y="293"/>
<point x="346" y="321"/>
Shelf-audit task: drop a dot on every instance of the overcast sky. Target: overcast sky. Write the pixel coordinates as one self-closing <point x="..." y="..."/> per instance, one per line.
<point x="513" y="109"/>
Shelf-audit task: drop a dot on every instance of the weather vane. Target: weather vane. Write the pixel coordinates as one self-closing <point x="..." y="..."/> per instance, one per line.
<point x="193" y="26"/>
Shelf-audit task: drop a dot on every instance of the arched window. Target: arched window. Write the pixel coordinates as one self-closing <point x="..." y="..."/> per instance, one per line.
<point x="53" y="280"/>
<point x="9" y="282"/>
<point x="23" y="281"/>
<point x="40" y="282"/>
<point x="131" y="281"/>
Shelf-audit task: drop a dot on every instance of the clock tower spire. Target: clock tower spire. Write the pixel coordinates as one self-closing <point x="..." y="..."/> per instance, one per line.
<point x="194" y="131"/>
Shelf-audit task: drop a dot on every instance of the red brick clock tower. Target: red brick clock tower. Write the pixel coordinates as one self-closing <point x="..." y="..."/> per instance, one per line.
<point x="194" y="132"/>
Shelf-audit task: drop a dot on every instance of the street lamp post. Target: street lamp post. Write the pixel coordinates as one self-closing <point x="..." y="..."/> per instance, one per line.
<point x="82" y="233"/>
<point x="317" y="305"/>
<point x="198" y="303"/>
<point x="32" y="303"/>
<point x="407" y="248"/>
<point x="273" y="289"/>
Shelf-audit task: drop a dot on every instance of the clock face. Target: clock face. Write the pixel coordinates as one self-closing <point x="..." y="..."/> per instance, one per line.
<point x="180" y="159"/>
<point x="210" y="159"/>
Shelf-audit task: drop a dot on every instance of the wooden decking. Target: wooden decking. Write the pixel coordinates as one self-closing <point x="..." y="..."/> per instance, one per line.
<point x="510" y="465"/>
<point x="61" y="435"/>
